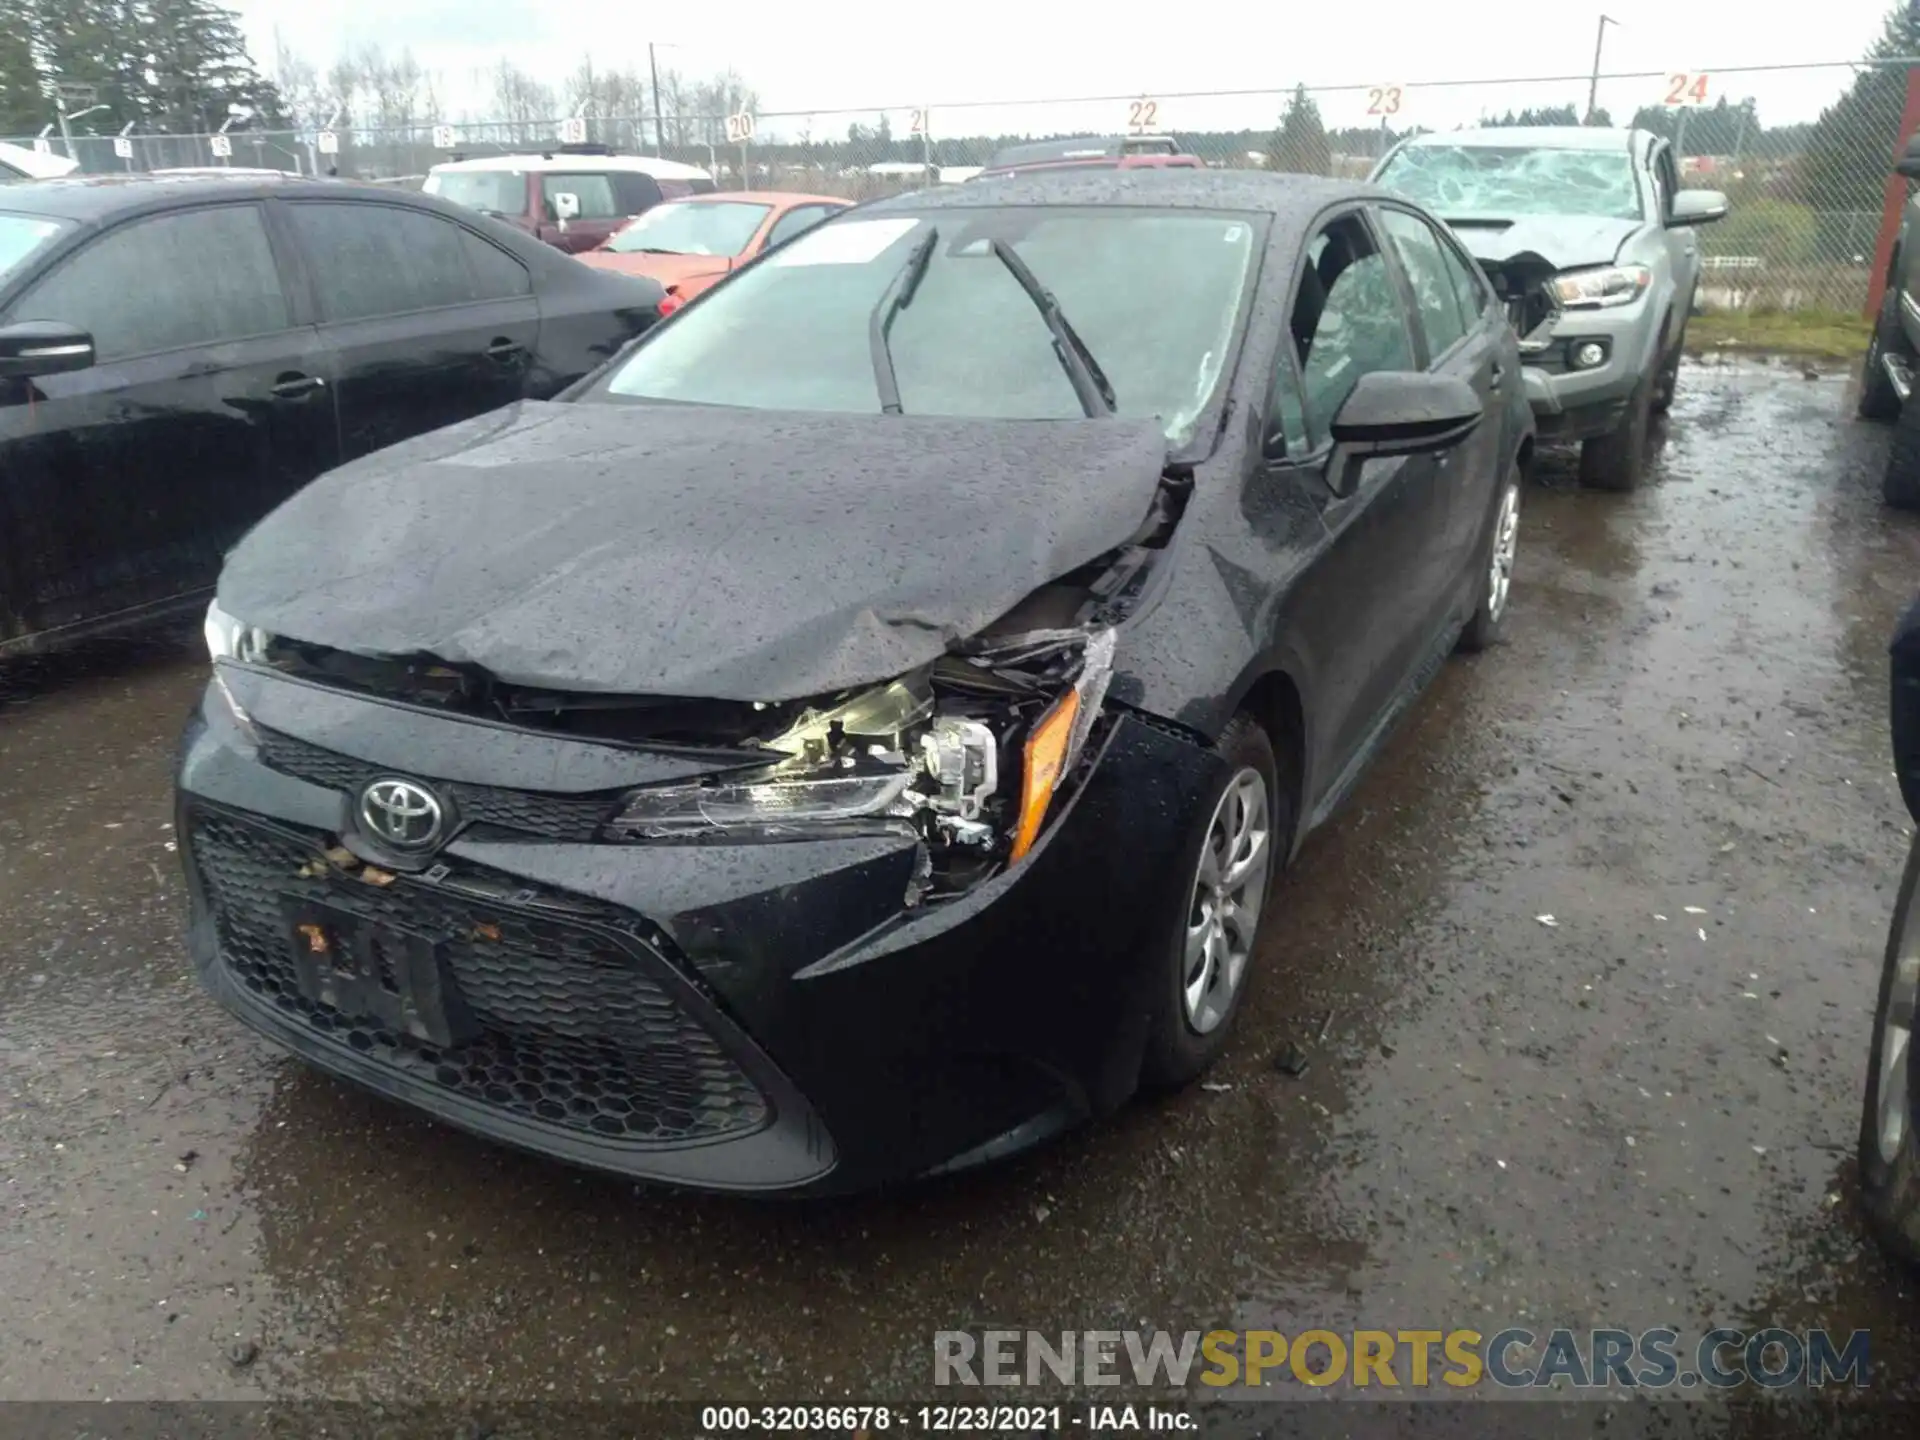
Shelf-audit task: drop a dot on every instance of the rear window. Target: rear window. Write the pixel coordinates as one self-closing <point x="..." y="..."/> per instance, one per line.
<point x="21" y="236"/>
<point x="491" y="192"/>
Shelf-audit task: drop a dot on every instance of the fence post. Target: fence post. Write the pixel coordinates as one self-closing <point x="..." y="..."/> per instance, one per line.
<point x="1893" y="198"/>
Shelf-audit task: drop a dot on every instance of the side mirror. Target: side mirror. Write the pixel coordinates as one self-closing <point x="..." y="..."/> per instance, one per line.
<point x="1697" y="207"/>
<point x="1398" y="412"/>
<point x="1909" y="162"/>
<point x="566" y="206"/>
<point x="43" y="347"/>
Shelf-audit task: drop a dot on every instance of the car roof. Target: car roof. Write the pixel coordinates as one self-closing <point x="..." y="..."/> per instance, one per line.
<point x="1538" y="137"/>
<point x="34" y="164"/>
<point x="558" y="159"/>
<point x="760" y="197"/>
<point x="88" y="198"/>
<point x="1155" y="186"/>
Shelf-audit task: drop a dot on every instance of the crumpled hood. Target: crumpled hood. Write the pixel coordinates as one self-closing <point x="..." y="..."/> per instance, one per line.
<point x="1565" y="242"/>
<point x="692" y="550"/>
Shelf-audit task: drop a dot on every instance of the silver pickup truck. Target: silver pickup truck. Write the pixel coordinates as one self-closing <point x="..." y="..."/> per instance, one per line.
<point x="1887" y="377"/>
<point x="1588" y="237"/>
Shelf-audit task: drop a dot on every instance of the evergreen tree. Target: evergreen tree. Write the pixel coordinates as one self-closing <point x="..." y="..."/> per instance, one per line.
<point x="1300" y="144"/>
<point x="197" y="67"/>
<point x="93" y="43"/>
<point x="23" y="102"/>
<point x="1850" y="150"/>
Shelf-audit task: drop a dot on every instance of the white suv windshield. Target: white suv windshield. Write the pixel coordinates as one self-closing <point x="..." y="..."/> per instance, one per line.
<point x="1487" y="181"/>
<point x="491" y="192"/>
<point x="1154" y="294"/>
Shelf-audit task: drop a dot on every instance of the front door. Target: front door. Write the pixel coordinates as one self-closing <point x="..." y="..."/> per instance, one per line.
<point x="1462" y="339"/>
<point x="1364" y="613"/>
<point x="122" y="486"/>
<point x="428" y="322"/>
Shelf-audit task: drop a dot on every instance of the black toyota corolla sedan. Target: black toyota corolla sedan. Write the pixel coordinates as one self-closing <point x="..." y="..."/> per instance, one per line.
<point x="851" y="735"/>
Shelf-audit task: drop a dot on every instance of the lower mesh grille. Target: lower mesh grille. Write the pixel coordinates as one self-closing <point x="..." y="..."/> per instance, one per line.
<point x="572" y="1030"/>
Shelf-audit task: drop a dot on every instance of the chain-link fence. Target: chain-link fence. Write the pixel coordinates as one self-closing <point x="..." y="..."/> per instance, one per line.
<point x="1807" y="194"/>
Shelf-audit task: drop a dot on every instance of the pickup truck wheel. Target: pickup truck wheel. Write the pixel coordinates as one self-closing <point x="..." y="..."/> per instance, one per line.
<point x="1669" y="379"/>
<point x="1618" y="460"/>
<point x="1889" y="1150"/>
<point x="1878" y="399"/>
<point x="1901" y="487"/>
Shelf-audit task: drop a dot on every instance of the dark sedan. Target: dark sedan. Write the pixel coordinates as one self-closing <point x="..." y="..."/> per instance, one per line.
<point x="178" y="356"/>
<point x="852" y="735"/>
<point x="1889" y="1148"/>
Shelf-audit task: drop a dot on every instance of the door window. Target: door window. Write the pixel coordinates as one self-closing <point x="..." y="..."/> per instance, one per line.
<point x="633" y="191"/>
<point x="1347" y="321"/>
<point x="797" y="221"/>
<point x="594" y="192"/>
<point x="1435" y="295"/>
<point x="1470" y="287"/>
<point x="191" y="278"/>
<point x="372" y="259"/>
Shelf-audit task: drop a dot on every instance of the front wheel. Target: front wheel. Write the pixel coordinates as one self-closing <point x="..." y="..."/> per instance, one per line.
<point x="1618" y="460"/>
<point x="1878" y="399"/>
<point x="1496" y="583"/>
<point x="1889" y="1149"/>
<point x="1200" y="966"/>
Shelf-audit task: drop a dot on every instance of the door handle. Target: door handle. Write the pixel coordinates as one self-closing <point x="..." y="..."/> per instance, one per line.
<point x="503" y="349"/>
<point x="297" y="387"/>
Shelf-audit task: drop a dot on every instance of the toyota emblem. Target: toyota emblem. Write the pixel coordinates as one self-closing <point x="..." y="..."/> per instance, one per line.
<point x="401" y="814"/>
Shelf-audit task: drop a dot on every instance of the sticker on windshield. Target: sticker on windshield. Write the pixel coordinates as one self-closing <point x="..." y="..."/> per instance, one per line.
<point x="850" y="242"/>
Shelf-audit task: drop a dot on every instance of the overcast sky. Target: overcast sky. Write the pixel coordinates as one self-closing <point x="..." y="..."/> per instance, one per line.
<point x="862" y="56"/>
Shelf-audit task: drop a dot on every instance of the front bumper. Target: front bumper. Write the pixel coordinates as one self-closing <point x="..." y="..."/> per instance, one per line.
<point x="1574" y="403"/>
<point x="752" y="1016"/>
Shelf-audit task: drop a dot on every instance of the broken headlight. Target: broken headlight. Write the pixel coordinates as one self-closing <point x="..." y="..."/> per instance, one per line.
<point x="231" y="639"/>
<point x="970" y="754"/>
<point x="1604" y="286"/>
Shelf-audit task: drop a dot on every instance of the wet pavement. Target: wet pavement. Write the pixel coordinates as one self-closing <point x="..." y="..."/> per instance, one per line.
<point x="1642" y="1114"/>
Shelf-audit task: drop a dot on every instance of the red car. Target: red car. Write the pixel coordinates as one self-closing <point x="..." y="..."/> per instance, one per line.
<point x="689" y="245"/>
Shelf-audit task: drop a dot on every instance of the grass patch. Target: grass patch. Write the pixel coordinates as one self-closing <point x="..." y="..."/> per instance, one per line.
<point x="1826" y="334"/>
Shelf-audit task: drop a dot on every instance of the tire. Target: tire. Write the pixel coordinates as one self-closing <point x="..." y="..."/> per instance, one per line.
<point x="1618" y="460"/>
<point x="1668" y="380"/>
<point x="1184" y="1037"/>
<point x="1890" y="1174"/>
<point x="1495" y="569"/>
<point x="1901" y="486"/>
<point x="1878" y="399"/>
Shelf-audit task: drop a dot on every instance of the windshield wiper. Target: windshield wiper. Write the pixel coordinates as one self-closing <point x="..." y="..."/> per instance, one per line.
<point x="895" y="298"/>
<point x="1089" y="381"/>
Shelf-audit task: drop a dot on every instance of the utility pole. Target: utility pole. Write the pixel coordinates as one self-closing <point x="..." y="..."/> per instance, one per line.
<point x="659" y="126"/>
<point x="1593" y="86"/>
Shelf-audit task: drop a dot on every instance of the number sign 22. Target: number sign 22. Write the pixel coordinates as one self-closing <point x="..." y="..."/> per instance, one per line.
<point x="1143" y="115"/>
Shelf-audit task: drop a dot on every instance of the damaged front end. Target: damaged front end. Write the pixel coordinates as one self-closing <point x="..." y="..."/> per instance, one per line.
<point x="970" y="752"/>
<point x="1524" y="284"/>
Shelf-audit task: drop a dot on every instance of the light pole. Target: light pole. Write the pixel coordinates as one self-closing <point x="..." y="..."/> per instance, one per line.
<point x="659" y="127"/>
<point x="1593" y="86"/>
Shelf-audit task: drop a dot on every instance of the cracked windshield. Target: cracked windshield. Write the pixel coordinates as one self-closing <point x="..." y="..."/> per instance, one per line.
<point x="1475" y="181"/>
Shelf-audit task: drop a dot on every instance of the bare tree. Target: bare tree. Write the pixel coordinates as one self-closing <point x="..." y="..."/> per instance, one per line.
<point x="521" y="103"/>
<point x="301" y="88"/>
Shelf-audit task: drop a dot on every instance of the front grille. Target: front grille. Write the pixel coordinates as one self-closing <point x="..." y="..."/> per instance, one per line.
<point x="526" y="812"/>
<point x="572" y="1031"/>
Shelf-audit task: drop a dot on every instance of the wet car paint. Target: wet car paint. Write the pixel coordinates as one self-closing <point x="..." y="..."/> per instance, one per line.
<point x="1714" y="647"/>
<point x="206" y="449"/>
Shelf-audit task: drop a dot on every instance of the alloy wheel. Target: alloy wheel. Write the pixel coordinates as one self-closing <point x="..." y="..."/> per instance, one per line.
<point x="1229" y="888"/>
<point x="1896" y="1041"/>
<point x="1506" y="543"/>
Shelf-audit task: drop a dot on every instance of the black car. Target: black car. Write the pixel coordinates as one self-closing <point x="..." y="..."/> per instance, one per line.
<point x="851" y="736"/>
<point x="1889" y="1145"/>
<point x="179" y="356"/>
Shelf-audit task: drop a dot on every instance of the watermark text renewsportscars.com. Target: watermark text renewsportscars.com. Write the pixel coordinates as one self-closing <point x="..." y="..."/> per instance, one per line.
<point x="1442" y="1360"/>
